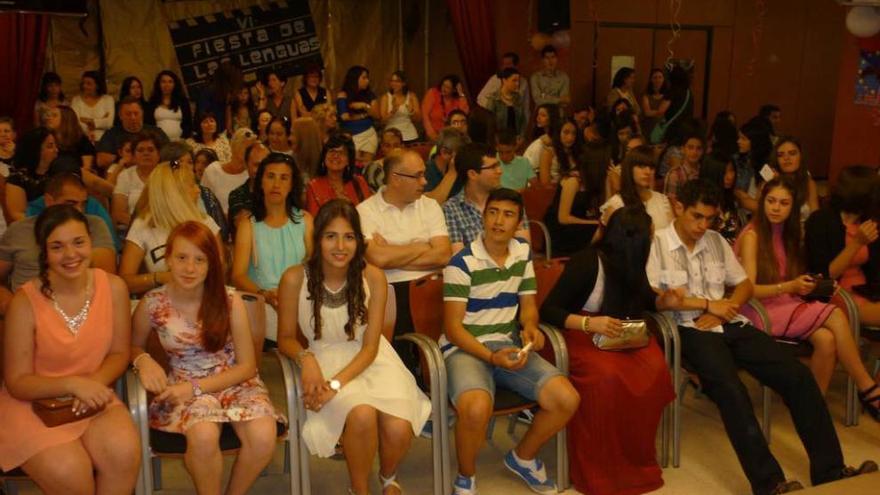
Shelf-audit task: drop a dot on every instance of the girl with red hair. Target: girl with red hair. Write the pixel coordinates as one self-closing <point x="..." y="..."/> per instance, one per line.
<point x="203" y="327"/>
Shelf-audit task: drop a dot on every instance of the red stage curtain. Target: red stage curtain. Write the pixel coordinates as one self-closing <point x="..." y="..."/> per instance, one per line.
<point x="23" y="54"/>
<point x="475" y="38"/>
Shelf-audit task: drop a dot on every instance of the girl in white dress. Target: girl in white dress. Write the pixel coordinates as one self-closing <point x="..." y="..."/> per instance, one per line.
<point x="354" y="384"/>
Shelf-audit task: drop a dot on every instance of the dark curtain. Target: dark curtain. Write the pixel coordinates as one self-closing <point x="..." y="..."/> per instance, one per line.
<point x="23" y="52"/>
<point x="474" y="28"/>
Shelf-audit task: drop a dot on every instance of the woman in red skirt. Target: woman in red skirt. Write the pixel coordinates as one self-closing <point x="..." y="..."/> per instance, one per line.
<point x="612" y="436"/>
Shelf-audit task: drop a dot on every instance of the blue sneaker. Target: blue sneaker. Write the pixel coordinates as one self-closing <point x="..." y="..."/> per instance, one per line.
<point x="464" y="485"/>
<point x="535" y="477"/>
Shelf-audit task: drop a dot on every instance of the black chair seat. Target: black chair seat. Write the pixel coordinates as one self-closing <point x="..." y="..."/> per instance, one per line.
<point x="165" y="443"/>
<point x="799" y="348"/>
<point x="15" y="473"/>
<point x="871" y="333"/>
<point x="507" y="399"/>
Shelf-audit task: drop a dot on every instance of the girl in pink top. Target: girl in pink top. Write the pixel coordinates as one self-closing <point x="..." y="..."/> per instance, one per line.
<point x="771" y="253"/>
<point x="68" y="334"/>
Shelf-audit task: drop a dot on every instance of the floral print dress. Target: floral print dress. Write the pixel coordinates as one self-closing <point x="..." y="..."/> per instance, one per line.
<point x="188" y="359"/>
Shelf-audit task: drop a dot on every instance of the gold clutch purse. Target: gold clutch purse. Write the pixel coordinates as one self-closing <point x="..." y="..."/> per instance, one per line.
<point x="634" y="335"/>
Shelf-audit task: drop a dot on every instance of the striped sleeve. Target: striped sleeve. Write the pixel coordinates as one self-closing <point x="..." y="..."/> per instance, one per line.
<point x="528" y="284"/>
<point x="457" y="279"/>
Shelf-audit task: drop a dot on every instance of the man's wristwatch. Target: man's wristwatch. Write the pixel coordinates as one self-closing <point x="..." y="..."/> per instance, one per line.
<point x="197" y="390"/>
<point x="335" y="385"/>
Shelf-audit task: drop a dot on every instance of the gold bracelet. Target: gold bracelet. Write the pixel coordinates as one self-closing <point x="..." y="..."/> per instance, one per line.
<point x="778" y="289"/>
<point x="585" y="324"/>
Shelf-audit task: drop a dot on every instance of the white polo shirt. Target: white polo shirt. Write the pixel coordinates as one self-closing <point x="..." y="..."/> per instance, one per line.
<point x="704" y="272"/>
<point x="418" y="221"/>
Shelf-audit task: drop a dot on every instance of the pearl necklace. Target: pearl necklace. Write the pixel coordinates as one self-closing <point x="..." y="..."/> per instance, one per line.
<point x="76" y="321"/>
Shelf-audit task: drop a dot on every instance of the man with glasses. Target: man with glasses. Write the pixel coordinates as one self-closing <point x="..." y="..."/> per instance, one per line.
<point x="481" y="172"/>
<point x="405" y="233"/>
<point x="443" y="181"/>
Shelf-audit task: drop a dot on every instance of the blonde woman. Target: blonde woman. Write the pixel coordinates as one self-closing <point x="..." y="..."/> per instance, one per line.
<point x="169" y="199"/>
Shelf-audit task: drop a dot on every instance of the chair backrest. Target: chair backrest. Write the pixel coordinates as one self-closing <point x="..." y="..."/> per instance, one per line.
<point x="426" y="305"/>
<point x="547" y="273"/>
<point x="255" y="305"/>
<point x="537" y="200"/>
<point x="390" y="315"/>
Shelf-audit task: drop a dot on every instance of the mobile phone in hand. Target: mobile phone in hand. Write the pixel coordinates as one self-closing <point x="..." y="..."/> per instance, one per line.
<point x="767" y="173"/>
<point x="525" y="350"/>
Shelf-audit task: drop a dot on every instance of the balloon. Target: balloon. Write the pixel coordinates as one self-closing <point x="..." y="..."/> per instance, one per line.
<point x="540" y="40"/>
<point x="561" y="39"/>
<point x="863" y="22"/>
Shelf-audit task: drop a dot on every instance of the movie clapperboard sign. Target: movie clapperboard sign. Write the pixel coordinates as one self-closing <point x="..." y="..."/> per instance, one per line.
<point x="278" y="35"/>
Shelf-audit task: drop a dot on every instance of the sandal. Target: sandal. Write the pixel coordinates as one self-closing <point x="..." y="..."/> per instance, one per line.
<point x="390" y="482"/>
<point x="871" y="404"/>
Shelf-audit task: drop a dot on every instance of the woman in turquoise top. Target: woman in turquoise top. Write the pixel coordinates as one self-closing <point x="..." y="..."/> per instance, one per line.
<point x="276" y="236"/>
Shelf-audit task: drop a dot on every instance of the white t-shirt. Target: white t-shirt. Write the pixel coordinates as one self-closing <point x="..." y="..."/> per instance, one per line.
<point x="533" y="154"/>
<point x="419" y="221"/>
<point x="152" y="241"/>
<point x="102" y="113"/>
<point x="169" y="121"/>
<point x="222" y="183"/>
<point x="129" y="184"/>
<point x="658" y="207"/>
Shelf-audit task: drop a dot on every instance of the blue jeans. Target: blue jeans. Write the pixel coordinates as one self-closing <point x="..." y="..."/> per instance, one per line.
<point x="466" y="372"/>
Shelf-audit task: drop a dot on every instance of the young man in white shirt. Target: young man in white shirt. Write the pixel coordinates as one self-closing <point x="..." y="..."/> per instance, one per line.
<point x="406" y="234"/>
<point x="716" y="341"/>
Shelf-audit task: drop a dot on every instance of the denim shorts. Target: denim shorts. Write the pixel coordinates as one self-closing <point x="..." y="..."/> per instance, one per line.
<point x="466" y="372"/>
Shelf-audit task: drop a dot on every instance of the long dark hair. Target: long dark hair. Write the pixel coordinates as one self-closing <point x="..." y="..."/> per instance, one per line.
<point x="178" y="98"/>
<point x="50" y="219"/>
<point x="801" y="177"/>
<point x="125" y="89"/>
<point x="592" y="167"/>
<point x="724" y="134"/>
<point x="100" y="82"/>
<point x="354" y="283"/>
<point x="664" y="90"/>
<point x="533" y="131"/>
<point x="855" y="191"/>
<point x="293" y="201"/>
<point x="567" y="159"/>
<point x="621" y="75"/>
<point x="624" y="252"/>
<point x="335" y="140"/>
<point x="713" y="169"/>
<point x="27" y="153"/>
<point x="402" y="76"/>
<point x="350" y="85"/>
<point x="47" y="79"/>
<point x="768" y="271"/>
<point x="641" y="156"/>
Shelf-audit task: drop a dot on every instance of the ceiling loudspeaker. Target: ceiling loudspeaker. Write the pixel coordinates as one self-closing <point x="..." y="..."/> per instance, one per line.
<point x="555" y="15"/>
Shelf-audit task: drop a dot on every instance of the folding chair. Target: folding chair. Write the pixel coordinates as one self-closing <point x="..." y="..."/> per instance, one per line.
<point x="803" y="350"/>
<point x="300" y="417"/>
<point x="426" y="306"/>
<point x="156" y="444"/>
<point x="536" y="200"/>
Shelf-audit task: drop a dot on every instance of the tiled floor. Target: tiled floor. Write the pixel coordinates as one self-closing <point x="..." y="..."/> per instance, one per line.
<point x="708" y="464"/>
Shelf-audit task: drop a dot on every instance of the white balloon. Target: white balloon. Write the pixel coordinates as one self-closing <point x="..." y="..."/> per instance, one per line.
<point x="863" y="22"/>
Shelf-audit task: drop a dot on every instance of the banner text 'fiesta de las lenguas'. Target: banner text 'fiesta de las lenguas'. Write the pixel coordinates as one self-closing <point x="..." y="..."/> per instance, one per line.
<point x="277" y="35"/>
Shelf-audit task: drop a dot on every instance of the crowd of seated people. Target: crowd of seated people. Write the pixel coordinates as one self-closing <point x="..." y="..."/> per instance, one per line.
<point x="318" y="203"/>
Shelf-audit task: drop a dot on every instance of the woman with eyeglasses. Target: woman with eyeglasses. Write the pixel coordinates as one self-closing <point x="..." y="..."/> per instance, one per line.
<point x="277" y="234"/>
<point x="170" y="198"/>
<point x="179" y="154"/>
<point x="336" y="175"/>
<point x="400" y="107"/>
<point x="131" y="181"/>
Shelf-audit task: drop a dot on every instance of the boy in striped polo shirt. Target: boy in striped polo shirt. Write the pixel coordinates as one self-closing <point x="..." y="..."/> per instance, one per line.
<point x="484" y="286"/>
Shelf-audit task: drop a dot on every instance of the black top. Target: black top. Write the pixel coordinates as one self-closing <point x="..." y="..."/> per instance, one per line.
<point x="575" y="285"/>
<point x="82" y="148"/>
<point x="826" y="237"/>
<point x="570" y="238"/>
<point x="307" y="100"/>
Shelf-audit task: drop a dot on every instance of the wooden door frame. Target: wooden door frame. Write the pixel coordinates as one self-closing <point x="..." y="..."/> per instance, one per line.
<point x="709" y="30"/>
